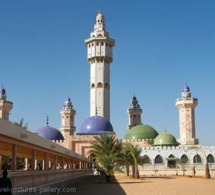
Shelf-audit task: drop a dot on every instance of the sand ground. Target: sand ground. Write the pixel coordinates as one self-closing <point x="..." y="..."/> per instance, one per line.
<point x="149" y="185"/>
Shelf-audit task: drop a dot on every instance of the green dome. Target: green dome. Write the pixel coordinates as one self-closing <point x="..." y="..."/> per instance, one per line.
<point x="165" y="139"/>
<point x="141" y="132"/>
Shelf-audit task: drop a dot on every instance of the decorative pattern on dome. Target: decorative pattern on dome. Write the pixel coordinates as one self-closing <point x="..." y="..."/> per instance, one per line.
<point x="95" y="125"/>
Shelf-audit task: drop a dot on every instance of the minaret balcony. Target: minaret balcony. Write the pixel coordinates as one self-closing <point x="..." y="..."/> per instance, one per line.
<point x="187" y="100"/>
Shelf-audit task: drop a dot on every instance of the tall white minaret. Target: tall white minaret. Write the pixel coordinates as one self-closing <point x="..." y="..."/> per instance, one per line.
<point x="186" y="106"/>
<point x="99" y="55"/>
<point x="5" y="106"/>
<point x="67" y="117"/>
<point x="134" y="113"/>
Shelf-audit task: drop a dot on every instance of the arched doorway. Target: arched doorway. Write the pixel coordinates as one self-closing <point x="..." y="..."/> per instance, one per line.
<point x="171" y="161"/>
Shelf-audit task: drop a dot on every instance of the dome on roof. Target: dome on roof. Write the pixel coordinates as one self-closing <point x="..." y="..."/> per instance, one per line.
<point x="3" y="91"/>
<point x="141" y="132"/>
<point x="165" y="139"/>
<point x="186" y="88"/>
<point x="49" y="133"/>
<point x="95" y="125"/>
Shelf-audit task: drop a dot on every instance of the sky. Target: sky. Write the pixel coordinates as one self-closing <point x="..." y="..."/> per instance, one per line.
<point x="160" y="46"/>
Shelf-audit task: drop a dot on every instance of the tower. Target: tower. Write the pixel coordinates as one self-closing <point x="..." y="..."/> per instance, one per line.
<point x="99" y="55"/>
<point x="186" y="106"/>
<point x="5" y="106"/>
<point x="67" y="119"/>
<point x="134" y="113"/>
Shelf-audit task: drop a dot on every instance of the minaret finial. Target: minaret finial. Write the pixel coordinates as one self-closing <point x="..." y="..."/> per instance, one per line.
<point x="100" y="11"/>
<point x="47" y="120"/>
<point x="96" y="111"/>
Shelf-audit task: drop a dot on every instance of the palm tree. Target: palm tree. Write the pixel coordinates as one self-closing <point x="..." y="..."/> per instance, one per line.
<point x="21" y="124"/>
<point x="107" y="151"/>
<point x="134" y="153"/>
<point x="127" y="160"/>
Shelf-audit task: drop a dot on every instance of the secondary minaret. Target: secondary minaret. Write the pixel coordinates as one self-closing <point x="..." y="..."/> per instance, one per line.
<point x="186" y="106"/>
<point x="5" y="106"/>
<point x="67" y="116"/>
<point x="134" y="113"/>
<point x="100" y="55"/>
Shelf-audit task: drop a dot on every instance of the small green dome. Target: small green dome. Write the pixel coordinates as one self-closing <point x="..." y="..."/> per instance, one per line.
<point x="141" y="132"/>
<point x="165" y="139"/>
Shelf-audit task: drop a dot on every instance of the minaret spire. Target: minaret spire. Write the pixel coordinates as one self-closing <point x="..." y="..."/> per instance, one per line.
<point x="67" y="119"/>
<point x="134" y="113"/>
<point x="100" y="56"/>
<point x="186" y="106"/>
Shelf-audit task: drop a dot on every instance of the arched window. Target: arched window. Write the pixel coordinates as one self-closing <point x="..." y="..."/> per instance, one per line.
<point x="184" y="159"/>
<point x="158" y="159"/>
<point x="197" y="159"/>
<point x="146" y="159"/>
<point x="99" y="85"/>
<point x="106" y="85"/>
<point x="210" y="158"/>
<point x="92" y="86"/>
<point x="99" y="35"/>
<point x="171" y="156"/>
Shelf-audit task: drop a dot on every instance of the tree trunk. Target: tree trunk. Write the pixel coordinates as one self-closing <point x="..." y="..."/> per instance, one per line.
<point x="207" y="171"/>
<point x="133" y="171"/>
<point x="127" y="170"/>
<point x="137" y="176"/>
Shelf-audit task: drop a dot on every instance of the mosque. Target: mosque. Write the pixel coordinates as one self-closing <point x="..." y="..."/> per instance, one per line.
<point x="162" y="151"/>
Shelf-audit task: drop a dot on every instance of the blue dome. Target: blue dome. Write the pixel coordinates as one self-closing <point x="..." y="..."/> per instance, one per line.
<point x="49" y="133"/>
<point x="186" y="88"/>
<point x="95" y="125"/>
<point x="3" y="91"/>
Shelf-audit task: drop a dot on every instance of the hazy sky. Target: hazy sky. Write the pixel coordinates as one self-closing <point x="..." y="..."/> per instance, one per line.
<point x="160" y="45"/>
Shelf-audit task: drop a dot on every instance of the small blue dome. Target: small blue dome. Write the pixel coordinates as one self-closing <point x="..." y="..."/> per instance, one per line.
<point x="134" y="98"/>
<point x="49" y="133"/>
<point x="3" y="91"/>
<point x="95" y="125"/>
<point x="186" y="88"/>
